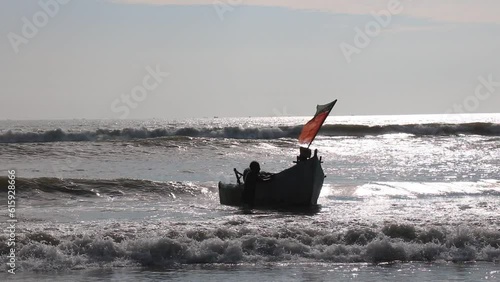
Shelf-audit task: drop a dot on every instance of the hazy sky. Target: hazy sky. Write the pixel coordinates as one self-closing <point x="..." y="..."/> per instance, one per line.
<point x="177" y="59"/>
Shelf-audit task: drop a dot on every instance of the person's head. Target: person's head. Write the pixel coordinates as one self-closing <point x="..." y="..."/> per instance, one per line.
<point x="254" y="166"/>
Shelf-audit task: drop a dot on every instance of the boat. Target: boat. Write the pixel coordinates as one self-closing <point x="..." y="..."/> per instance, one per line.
<point x="297" y="186"/>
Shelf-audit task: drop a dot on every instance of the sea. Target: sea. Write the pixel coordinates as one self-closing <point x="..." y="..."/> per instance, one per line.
<point x="414" y="198"/>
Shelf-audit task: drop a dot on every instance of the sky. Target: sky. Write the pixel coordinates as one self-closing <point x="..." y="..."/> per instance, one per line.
<point x="65" y="59"/>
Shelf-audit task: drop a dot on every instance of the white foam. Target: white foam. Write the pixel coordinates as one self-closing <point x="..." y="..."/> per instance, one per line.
<point x="416" y="189"/>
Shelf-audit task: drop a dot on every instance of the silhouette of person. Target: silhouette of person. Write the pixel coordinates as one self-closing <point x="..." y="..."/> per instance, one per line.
<point x="251" y="177"/>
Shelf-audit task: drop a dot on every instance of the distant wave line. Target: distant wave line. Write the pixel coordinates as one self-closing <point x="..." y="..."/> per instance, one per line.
<point x="429" y="129"/>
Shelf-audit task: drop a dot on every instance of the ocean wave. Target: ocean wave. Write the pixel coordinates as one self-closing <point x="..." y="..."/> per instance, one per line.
<point x="37" y="188"/>
<point x="231" y="243"/>
<point x="59" y="135"/>
<point x="431" y="129"/>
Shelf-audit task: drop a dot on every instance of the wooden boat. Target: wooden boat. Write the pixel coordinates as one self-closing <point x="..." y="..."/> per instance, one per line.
<point x="299" y="185"/>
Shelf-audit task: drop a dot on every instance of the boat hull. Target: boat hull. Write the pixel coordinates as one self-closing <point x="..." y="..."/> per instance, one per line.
<point x="299" y="185"/>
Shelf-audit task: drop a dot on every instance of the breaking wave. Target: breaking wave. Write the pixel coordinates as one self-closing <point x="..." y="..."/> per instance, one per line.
<point x="233" y="243"/>
<point x="432" y="129"/>
<point x="37" y="188"/>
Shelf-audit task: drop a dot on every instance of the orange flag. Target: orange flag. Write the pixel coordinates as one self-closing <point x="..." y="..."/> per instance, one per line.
<point x="312" y="127"/>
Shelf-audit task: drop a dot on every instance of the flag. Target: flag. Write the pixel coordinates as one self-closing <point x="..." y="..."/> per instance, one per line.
<point x="312" y="127"/>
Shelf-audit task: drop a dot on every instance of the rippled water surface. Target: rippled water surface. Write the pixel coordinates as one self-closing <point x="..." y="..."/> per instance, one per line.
<point x="412" y="197"/>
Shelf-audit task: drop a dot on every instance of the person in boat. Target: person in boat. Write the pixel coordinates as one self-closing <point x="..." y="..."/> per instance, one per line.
<point x="251" y="176"/>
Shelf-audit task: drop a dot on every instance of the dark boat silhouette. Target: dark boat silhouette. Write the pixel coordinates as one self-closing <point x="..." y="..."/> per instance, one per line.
<point x="297" y="186"/>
